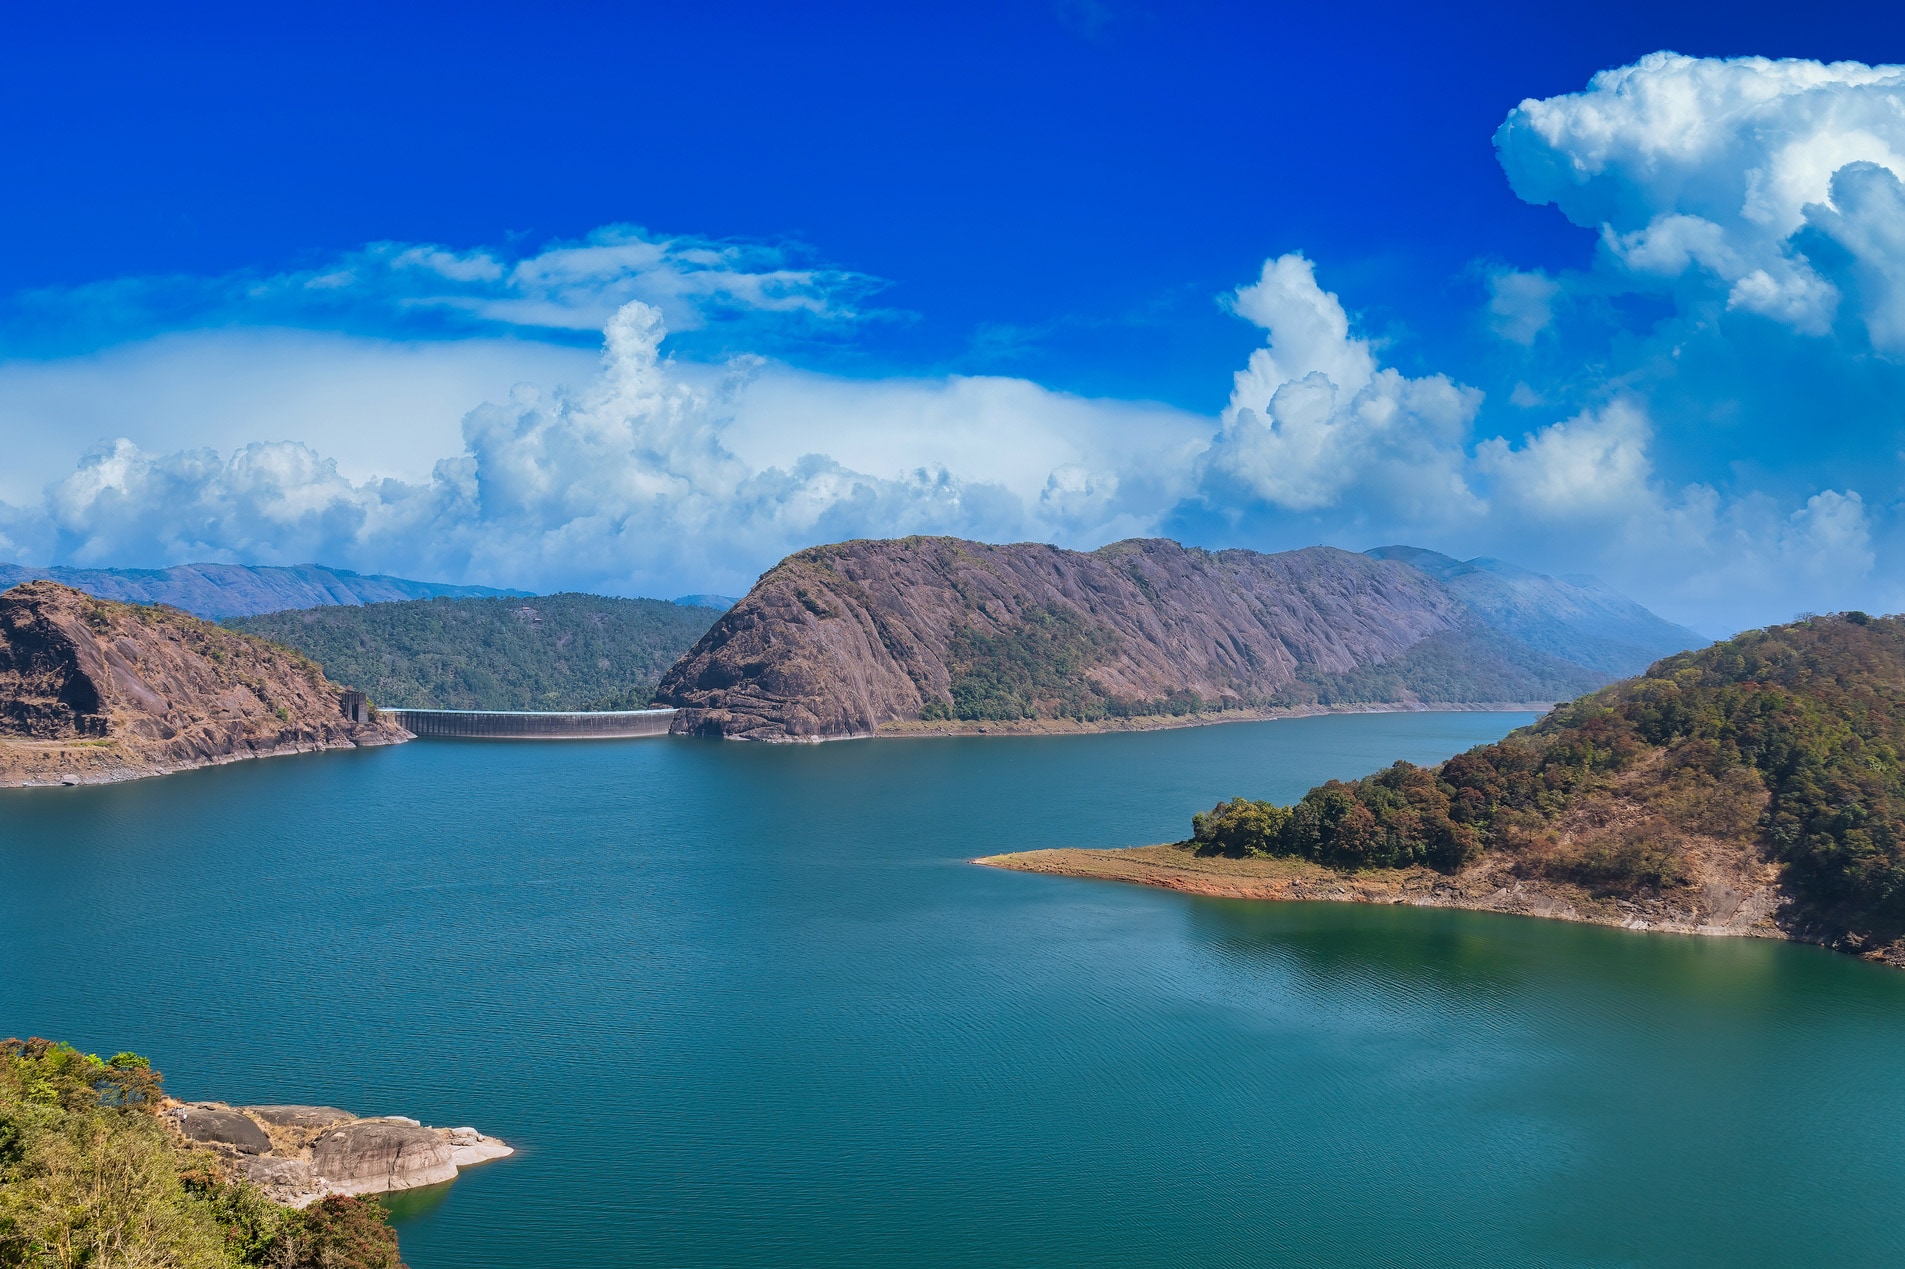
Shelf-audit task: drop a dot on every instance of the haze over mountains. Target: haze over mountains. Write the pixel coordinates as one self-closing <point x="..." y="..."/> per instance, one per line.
<point x="239" y="590"/>
<point x="852" y="638"/>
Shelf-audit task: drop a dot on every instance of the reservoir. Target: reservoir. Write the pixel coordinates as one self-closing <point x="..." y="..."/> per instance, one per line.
<point x="749" y="1005"/>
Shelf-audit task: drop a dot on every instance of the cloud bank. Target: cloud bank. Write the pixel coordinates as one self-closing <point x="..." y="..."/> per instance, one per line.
<point x="1707" y="414"/>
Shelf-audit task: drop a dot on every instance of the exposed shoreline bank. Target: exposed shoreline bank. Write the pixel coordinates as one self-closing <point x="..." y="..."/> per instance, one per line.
<point x="916" y="729"/>
<point x="1727" y="903"/>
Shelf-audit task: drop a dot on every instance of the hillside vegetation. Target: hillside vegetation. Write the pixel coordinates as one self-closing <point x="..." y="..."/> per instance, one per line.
<point x="92" y="1176"/>
<point x="1782" y="746"/>
<point x="566" y="651"/>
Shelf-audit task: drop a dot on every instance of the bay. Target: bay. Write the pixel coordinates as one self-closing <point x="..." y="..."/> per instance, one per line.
<point x="751" y="1005"/>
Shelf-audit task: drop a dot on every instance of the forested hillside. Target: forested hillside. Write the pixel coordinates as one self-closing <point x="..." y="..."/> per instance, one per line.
<point x="566" y="651"/>
<point x="1779" y="748"/>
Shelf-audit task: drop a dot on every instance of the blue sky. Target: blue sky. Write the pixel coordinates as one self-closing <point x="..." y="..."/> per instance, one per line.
<point x="293" y="283"/>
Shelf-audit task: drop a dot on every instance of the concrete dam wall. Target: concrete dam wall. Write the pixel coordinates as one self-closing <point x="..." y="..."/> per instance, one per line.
<point x="478" y="724"/>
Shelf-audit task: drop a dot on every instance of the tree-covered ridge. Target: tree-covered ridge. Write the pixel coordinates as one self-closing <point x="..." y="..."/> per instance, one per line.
<point x="1787" y="740"/>
<point x="91" y="1176"/>
<point x="568" y="651"/>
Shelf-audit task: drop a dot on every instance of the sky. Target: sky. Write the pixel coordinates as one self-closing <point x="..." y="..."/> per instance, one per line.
<point x="640" y="298"/>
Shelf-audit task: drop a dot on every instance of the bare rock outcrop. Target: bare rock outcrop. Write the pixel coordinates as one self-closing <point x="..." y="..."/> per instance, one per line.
<point x="94" y="691"/>
<point x="298" y="1154"/>
<point x="849" y="639"/>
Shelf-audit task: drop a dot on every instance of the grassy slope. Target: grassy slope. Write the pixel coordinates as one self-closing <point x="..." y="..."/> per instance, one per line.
<point x="549" y="652"/>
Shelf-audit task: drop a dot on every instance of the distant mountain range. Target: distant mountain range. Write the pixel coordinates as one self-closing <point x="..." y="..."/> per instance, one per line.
<point x="1574" y="618"/>
<point x="861" y="637"/>
<point x="218" y="591"/>
<point x="239" y="590"/>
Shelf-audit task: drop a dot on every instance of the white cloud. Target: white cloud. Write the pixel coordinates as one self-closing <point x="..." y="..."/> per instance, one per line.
<point x="1714" y="169"/>
<point x="769" y="290"/>
<point x="651" y="478"/>
<point x="1591" y="466"/>
<point x="1521" y="305"/>
<point x="1314" y="420"/>
<point x="382" y="407"/>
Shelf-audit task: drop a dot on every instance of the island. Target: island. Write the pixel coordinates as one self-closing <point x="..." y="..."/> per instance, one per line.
<point x="1755" y="787"/>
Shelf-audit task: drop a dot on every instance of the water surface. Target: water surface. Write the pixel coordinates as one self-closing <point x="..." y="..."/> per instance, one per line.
<point x="749" y="1005"/>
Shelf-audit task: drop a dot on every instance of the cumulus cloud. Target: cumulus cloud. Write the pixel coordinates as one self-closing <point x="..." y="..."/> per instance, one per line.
<point x="653" y="476"/>
<point x="1314" y="420"/>
<point x="1713" y="171"/>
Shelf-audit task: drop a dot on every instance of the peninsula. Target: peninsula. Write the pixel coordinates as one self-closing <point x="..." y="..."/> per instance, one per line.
<point x="1755" y="787"/>
<point x="942" y="634"/>
<point x="93" y="691"/>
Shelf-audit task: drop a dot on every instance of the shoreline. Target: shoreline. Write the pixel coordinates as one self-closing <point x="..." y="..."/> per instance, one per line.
<point x="916" y="729"/>
<point x="121" y="774"/>
<point x="1713" y="908"/>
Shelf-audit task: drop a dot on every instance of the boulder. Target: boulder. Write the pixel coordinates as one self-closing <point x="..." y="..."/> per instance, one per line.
<point x="292" y="1175"/>
<point x="372" y="1157"/>
<point x="299" y="1116"/>
<point x="222" y="1128"/>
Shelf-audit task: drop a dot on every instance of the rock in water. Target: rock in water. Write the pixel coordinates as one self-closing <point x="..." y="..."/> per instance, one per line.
<point x="298" y="1154"/>
<point x="375" y="1156"/>
<point x="94" y="691"/>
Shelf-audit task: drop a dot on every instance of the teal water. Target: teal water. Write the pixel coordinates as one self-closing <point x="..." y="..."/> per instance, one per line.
<point x="748" y="1005"/>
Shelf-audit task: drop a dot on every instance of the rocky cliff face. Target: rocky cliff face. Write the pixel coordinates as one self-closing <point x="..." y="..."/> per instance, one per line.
<point x="95" y="691"/>
<point x="846" y="640"/>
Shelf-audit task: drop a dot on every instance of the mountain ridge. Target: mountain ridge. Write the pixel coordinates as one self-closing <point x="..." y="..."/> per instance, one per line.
<point x="216" y="591"/>
<point x="852" y="638"/>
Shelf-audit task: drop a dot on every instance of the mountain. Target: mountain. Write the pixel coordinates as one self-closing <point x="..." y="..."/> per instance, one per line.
<point x="1754" y="787"/>
<point x="234" y="590"/>
<point x="92" y="691"/>
<point x="1576" y="619"/>
<point x="720" y="603"/>
<point x="848" y="639"/>
<point x="546" y="652"/>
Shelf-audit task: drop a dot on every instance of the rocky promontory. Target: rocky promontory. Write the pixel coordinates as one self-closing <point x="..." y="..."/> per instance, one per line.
<point x="1756" y="787"/>
<point x="299" y="1154"/>
<point x="93" y="691"/>
<point x="866" y="637"/>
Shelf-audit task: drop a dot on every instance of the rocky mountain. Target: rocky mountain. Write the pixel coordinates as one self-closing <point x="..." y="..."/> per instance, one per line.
<point x="853" y="638"/>
<point x="235" y="590"/>
<point x="93" y="691"/>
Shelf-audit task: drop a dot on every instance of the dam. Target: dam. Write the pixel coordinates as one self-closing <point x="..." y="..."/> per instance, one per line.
<point x="484" y="724"/>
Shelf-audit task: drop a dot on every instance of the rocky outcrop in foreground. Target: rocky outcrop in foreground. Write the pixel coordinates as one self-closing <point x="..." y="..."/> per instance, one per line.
<point x="93" y="691"/>
<point x="299" y="1154"/>
<point x="871" y="636"/>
